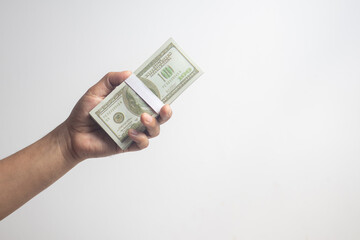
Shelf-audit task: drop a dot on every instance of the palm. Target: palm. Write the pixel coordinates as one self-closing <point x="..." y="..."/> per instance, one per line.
<point x="88" y="139"/>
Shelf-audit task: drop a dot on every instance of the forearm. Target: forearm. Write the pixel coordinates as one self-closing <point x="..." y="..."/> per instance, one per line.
<point x="31" y="170"/>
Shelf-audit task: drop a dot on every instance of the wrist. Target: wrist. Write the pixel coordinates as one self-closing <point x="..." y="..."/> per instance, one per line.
<point x="63" y="140"/>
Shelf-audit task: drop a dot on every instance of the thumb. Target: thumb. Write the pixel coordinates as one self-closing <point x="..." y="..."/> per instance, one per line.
<point x="108" y="83"/>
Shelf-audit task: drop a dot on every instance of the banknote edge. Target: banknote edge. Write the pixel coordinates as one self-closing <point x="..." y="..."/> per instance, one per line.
<point x="170" y="40"/>
<point x="128" y="142"/>
<point x="158" y="52"/>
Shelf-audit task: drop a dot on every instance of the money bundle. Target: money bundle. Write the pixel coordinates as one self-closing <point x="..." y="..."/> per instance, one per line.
<point x="167" y="73"/>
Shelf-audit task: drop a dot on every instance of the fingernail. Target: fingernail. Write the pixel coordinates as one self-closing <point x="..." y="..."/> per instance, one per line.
<point x="147" y="118"/>
<point x="133" y="132"/>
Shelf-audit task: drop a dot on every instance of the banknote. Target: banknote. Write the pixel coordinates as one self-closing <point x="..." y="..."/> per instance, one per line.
<point x="167" y="73"/>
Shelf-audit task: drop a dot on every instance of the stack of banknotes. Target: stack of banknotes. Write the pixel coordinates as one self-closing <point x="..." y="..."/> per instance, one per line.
<point x="167" y="73"/>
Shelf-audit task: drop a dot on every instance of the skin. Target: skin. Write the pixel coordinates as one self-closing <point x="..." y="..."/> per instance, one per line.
<point x="29" y="171"/>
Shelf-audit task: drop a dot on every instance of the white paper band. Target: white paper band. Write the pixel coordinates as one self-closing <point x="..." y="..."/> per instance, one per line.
<point x="144" y="92"/>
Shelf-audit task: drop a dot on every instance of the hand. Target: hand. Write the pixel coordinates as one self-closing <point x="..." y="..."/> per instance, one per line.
<point x="83" y="138"/>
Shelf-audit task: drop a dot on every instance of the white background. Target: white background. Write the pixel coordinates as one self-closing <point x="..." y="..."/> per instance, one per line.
<point x="265" y="145"/>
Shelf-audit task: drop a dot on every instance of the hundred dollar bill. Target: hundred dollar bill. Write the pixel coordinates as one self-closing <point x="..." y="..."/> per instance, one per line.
<point x="167" y="73"/>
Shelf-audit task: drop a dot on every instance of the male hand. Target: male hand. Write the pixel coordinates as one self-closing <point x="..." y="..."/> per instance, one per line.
<point x="83" y="138"/>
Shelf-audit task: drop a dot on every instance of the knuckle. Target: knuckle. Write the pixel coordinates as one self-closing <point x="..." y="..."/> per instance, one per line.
<point x="109" y="74"/>
<point x="154" y="123"/>
<point x="154" y="134"/>
<point x="157" y="132"/>
<point x="166" y="116"/>
<point x="144" y="145"/>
